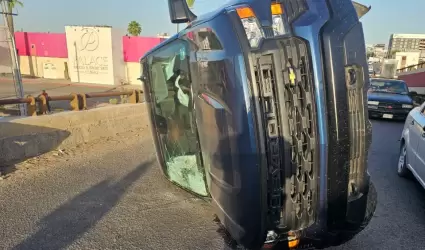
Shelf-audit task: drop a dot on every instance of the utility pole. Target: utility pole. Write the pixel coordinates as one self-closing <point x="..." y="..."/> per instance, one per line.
<point x="19" y="90"/>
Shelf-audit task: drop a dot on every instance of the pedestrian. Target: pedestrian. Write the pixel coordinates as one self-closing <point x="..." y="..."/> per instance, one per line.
<point x="44" y="93"/>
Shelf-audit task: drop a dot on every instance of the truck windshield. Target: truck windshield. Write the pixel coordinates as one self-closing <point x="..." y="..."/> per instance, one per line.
<point x="389" y="86"/>
<point x="171" y="97"/>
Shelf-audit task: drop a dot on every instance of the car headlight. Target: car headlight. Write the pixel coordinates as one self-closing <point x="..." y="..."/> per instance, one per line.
<point x="278" y="26"/>
<point x="407" y="106"/>
<point x="252" y="30"/>
<point x="373" y="103"/>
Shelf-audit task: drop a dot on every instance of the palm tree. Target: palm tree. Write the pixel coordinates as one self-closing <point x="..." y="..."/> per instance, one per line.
<point x="134" y="28"/>
<point x="11" y="5"/>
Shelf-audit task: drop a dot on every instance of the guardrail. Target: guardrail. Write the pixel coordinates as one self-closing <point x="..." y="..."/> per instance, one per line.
<point x="412" y="67"/>
<point x="77" y="101"/>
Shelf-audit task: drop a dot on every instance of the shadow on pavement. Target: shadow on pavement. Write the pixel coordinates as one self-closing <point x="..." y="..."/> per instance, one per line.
<point x="78" y="215"/>
<point x="19" y="142"/>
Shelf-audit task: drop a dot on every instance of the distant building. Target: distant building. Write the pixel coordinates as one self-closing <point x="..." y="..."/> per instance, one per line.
<point x="406" y="59"/>
<point x="407" y="43"/>
<point x="376" y="52"/>
<point x="163" y="35"/>
<point x="369" y="48"/>
<point x="379" y="50"/>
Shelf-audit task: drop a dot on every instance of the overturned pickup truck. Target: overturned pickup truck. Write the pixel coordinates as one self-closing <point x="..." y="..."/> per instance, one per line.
<point x="261" y="107"/>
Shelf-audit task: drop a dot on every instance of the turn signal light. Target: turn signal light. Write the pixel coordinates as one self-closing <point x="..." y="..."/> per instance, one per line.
<point x="245" y="12"/>
<point x="293" y="240"/>
<point x="277" y="9"/>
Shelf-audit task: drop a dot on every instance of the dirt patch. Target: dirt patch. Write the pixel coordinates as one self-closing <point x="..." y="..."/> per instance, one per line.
<point x="61" y="155"/>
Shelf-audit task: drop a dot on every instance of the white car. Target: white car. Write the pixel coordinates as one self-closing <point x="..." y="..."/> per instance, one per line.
<point x="412" y="149"/>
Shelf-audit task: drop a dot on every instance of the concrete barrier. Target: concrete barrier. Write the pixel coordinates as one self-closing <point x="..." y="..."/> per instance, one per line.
<point x="22" y="138"/>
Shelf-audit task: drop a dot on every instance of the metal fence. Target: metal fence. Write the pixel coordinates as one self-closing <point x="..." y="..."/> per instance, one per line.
<point x="40" y="105"/>
<point x="412" y="68"/>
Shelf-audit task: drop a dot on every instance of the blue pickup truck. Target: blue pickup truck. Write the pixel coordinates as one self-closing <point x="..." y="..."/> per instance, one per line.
<point x="389" y="99"/>
<point x="259" y="107"/>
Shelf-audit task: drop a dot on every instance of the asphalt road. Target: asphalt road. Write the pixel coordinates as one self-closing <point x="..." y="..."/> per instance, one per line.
<point x="111" y="195"/>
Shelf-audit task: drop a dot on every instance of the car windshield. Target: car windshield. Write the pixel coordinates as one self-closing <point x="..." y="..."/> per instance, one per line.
<point x="393" y="87"/>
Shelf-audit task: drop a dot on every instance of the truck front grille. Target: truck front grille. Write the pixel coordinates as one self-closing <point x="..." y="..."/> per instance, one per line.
<point x="284" y="80"/>
<point x="267" y="86"/>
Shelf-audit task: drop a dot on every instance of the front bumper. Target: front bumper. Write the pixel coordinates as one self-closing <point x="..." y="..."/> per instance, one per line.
<point x="301" y="211"/>
<point x="336" y="238"/>
<point x="397" y="114"/>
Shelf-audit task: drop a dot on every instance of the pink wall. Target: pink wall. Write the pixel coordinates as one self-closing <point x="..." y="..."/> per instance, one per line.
<point x="45" y="44"/>
<point x="54" y="45"/>
<point x="135" y="47"/>
<point x="416" y="79"/>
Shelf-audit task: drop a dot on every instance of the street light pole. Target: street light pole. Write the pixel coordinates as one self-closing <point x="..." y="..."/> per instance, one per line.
<point x="19" y="90"/>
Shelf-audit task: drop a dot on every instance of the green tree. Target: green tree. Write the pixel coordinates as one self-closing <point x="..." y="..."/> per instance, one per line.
<point x="134" y="28"/>
<point x="12" y="5"/>
<point x="370" y="54"/>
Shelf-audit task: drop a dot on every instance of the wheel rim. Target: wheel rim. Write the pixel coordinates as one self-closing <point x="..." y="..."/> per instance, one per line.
<point x="402" y="159"/>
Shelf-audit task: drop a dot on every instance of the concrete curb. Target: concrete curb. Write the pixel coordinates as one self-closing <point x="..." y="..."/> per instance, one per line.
<point x="23" y="138"/>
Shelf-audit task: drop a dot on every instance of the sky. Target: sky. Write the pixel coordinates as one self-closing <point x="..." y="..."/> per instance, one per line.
<point x="386" y="16"/>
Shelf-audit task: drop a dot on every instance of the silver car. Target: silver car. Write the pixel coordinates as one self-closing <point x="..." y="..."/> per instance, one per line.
<point x="412" y="149"/>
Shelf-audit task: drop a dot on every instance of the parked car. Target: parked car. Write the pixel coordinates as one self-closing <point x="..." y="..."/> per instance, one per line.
<point x="412" y="148"/>
<point x="389" y="99"/>
<point x="371" y="70"/>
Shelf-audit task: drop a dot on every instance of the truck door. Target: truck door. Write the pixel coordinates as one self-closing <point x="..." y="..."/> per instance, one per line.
<point x="419" y="127"/>
<point x="170" y="93"/>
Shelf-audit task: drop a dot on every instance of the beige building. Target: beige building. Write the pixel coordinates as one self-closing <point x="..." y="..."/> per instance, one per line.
<point x="406" y="43"/>
<point x="406" y="59"/>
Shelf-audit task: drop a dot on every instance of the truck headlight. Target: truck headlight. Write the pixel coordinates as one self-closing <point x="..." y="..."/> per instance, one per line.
<point x="278" y="22"/>
<point x="278" y="26"/>
<point x="253" y="30"/>
<point x="407" y="106"/>
<point x="373" y="103"/>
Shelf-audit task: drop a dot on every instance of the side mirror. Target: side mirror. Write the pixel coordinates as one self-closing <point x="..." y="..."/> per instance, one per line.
<point x="413" y="93"/>
<point x="180" y="12"/>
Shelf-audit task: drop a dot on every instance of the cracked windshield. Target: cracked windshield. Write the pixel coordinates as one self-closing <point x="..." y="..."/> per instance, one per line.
<point x="200" y="124"/>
